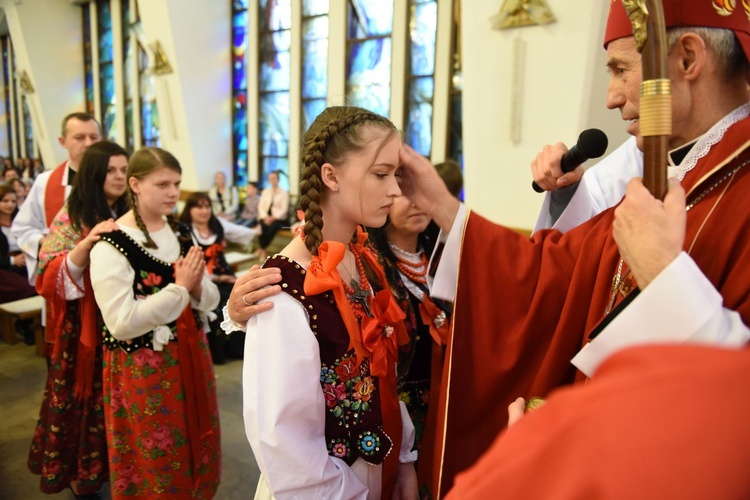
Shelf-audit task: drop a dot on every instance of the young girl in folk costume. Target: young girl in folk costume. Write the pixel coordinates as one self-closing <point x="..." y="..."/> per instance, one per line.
<point x="319" y="381"/>
<point x="212" y="235"/>
<point x="159" y="389"/>
<point x="404" y="244"/>
<point x="69" y="447"/>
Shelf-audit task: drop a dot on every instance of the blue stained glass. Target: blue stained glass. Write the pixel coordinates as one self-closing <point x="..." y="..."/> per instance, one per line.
<point x="275" y="15"/>
<point x="105" y="16"/>
<point x="275" y="65"/>
<point x="240" y="169"/>
<point x="240" y="75"/>
<point x="369" y="75"/>
<point x="314" y="7"/>
<point x="277" y="147"/>
<point x="274" y="116"/>
<point x="129" y="126"/>
<point x="271" y="164"/>
<point x="369" y="18"/>
<point x="455" y="147"/>
<point x="315" y="28"/>
<point x="109" y="123"/>
<point x="422" y="32"/>
<point x="419" y="119"/>
<point x="239" y="5"/>
<point x="311" y="110"/>
<point x="239" y="29"/>
<point x="315" y="69"/>
<point x="106" y="75"/>
<point x="105" y="46"/>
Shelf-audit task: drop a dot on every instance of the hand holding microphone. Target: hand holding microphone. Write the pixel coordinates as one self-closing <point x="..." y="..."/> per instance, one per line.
<point x="592" y="143"/>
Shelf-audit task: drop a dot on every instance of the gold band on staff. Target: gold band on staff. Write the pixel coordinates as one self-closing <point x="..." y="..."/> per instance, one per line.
<point x="656" y="108"/>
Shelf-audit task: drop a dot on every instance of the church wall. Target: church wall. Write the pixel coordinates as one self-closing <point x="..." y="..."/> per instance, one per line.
<point x="564" y="86"/>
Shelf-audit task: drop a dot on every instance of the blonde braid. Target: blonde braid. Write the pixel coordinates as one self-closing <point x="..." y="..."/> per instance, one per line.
<point x="315" y="155"/>
<point x="141" y="225"/>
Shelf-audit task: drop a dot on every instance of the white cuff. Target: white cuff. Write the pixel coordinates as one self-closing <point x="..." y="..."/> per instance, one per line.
<point x="229" y="325"/>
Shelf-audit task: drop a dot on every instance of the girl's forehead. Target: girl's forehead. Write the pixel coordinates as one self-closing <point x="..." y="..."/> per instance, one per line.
<point x="164" y="173"/>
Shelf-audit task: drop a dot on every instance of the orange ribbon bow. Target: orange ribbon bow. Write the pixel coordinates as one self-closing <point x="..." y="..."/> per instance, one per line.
<point x="381" y="332"/>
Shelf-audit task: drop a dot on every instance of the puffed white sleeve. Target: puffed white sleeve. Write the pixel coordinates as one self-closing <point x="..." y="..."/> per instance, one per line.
<point x="284" y="408"/>
<point x="679" y="306"/>
<point x="28" y="227"/>
<point x="209" y="299"/>
<point x="125" y="316"/>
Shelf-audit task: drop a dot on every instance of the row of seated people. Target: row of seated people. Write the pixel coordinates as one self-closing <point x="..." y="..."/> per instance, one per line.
<point x="267" y="211"/>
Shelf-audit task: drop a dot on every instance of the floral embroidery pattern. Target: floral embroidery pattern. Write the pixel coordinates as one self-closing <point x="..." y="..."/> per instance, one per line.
<point x="368" y="443"/>
<point x="347" y="387"/>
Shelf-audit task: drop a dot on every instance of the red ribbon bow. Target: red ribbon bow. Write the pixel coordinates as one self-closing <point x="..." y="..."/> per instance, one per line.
<point x="381" y="332"/>
<point x="429" y="312"/>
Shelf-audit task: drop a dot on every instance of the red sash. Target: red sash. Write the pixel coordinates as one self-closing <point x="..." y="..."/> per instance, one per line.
<point x="54" y="193"/>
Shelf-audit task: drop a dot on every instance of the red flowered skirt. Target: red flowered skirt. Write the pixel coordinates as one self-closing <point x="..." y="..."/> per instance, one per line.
<point x="147" y="432"/>
<point x="69" y="442"/>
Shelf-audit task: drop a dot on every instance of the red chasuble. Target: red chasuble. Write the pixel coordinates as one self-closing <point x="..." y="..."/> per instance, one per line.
<point x="524" y="306"/>
<point x="655" y="422"/>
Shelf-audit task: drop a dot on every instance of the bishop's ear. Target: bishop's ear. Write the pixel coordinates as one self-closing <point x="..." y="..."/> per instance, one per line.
<point x="328" y="175"/>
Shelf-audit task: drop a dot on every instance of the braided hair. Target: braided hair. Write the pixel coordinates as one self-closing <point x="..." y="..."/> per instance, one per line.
<point x="334" y="134"/>
<point x="142" y="163"/>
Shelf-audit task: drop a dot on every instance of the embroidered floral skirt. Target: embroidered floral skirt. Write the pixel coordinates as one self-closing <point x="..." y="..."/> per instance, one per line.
<point x="69" y="442"/>
<point x="144" y="403"/>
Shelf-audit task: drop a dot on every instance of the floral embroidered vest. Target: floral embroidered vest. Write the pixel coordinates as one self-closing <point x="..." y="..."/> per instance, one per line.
<point x="354" y="422"/>
<point x="151" y="275"/>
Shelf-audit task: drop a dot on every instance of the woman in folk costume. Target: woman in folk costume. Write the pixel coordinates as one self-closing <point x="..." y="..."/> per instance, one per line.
<point x="212" y="235"/>
<point x="69" y="447"/>
<point x="150" y="282"/>
<point x="404" y="244"/>
<point x="320" y="402"/>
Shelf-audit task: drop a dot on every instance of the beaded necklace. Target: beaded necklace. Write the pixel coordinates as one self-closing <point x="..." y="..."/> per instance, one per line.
<point x="414" y="271"/>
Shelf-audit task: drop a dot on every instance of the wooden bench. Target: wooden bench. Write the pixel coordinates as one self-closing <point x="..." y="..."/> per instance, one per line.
<point x="10" y="312"/>
<point x="237" y="259"/>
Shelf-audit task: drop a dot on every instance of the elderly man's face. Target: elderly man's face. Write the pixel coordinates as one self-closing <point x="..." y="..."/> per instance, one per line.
<point x="624" y="92"/>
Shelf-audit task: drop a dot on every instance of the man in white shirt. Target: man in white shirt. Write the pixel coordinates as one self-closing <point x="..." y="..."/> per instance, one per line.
<point x="51" y="188"/>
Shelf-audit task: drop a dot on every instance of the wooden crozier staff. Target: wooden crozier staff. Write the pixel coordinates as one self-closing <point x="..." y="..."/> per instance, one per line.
<point x="647" y="17"/>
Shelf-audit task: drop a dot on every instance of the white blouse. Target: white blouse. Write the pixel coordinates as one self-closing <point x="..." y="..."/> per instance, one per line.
<point x="112" y="280"/>
<point x="284" y="411"/>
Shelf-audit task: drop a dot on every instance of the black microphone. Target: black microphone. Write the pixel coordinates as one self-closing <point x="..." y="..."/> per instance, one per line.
<point x="592" y="143"/>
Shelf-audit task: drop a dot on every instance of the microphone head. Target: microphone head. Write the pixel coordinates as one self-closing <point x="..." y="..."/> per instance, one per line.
<point x="593" y="142"/>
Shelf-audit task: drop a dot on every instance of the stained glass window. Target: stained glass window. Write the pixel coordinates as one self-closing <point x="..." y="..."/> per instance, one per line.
<point x="314" y="59"/>
<point x="455" y="127"/>
<point x="128" y="84"/>
<point x="87" y="60"/>
<point x="28" y="125"/>
<point x="421" y="76"/>
<point x="368" y="59"/>
<point x="6" y="87"/>
<point x="239" y="91"/>
<point x="106" y="70"/>
<point x="150" y="135"/>
<point x="274" y="81"/>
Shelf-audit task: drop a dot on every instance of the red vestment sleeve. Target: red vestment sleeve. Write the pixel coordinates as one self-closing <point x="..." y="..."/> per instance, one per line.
<point x="655" y="422"/>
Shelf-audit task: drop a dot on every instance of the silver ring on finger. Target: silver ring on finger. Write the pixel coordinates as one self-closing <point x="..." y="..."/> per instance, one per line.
<point x="245" y="301"/>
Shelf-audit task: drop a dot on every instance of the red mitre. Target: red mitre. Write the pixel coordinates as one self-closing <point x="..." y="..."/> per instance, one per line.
<point x="726" y="14"/>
